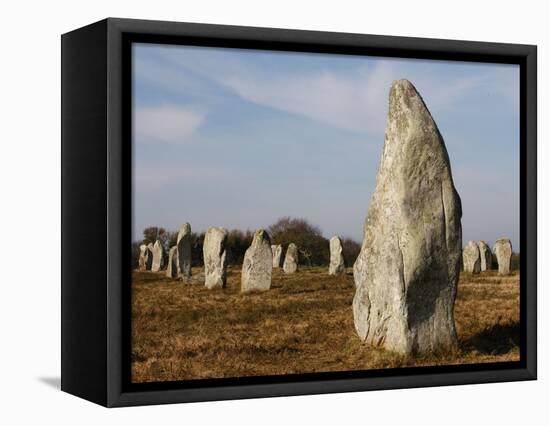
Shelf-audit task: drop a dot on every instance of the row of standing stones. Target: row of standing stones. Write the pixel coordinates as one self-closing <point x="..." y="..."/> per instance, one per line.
<point x="259" y="260"/>
<point x="407" y="271"/>
<point x="478" y="257"/>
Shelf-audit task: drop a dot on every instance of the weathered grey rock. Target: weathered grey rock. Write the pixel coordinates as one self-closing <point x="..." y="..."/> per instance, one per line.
<point x="471" y="259"/>
<point x="290" y="265"/>
<point x="141" y="260"/>
<point x="257" y="264"/>
<point x="158" y="256"/>
<point x="336" y="266"/>
<point x="149" y="257"/>
<point x="215" y="255"/>
<point x="407" y="271"/>
<point x="485" y="255"/>
<point x="277" y="251"/>
<point x="172" y="269"/>
<point x="184" y="251"/>
<point x="503" y="252"/>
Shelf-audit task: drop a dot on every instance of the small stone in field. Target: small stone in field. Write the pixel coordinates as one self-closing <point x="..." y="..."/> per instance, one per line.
<point x="158" y="253"/>
<point x="290" y="264"/>
<point x="257" y="264"/>
<point x="149" y="257"/>
<point x="215" y="255"/>
<point x="184" y="251"/>
<point x="277" y="251"/>
<point x="141" y="261"/>
<point x="485" y="255"/>
<point x="471" y="258"/>
<point x="172" y="269"/>
<point x="503" y="252"/>
<point x="336" y="266"/>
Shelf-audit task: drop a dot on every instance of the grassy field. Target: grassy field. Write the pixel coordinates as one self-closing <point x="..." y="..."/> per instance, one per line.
<point x="303" y="324"/>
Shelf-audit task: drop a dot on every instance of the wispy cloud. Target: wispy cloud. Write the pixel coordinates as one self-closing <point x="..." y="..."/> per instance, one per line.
<point x="443" y="94"/>
<point x="166" y="123"/>
<point x="326" y="97"/>
<point x="353" y="99"/>
<point x="345" y="99"/>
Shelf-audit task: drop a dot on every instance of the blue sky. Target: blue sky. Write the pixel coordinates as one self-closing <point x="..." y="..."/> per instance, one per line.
<point x="238" y="138"/>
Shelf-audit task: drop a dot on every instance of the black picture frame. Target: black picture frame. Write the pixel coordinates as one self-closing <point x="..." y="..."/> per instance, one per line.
<point x="96" y="209"/>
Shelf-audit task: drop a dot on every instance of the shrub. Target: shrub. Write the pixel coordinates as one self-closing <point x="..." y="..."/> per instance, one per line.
<point x="351" y="249"/>
<point x="135" y="254"/>
<point x="312" y="246"/>
<point x="515" y="262"/>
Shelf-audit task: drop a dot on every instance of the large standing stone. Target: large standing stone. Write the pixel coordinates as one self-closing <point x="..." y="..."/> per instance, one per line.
<point x="485" y="255"/>
<point x="336" y="266"/>
<point x="215" y="255"/>
<point x="471" y="259"/>
<point x="184" y="250"/>
<point x="158" y="257"/>
<point x="141" y="260"/>
<point x="277" y="251"/>
<point x="503" y="252"/>
<point x="407" y="271"/>
<point x="172" y="269"/>
<point x="149" y="257"/>
<point x="290" y="265"/>
<point x="257" y="263"/>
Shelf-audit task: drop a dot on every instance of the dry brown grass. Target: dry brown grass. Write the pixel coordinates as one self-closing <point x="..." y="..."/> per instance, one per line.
<point x="303" y="324"/>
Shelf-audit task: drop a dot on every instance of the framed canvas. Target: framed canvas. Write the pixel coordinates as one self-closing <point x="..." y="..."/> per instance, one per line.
<point x="256" y="212"/>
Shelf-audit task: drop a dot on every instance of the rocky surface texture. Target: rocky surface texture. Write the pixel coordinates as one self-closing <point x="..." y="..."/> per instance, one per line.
<point x="290" y="265"/>
<point x="257" y="264"/>
<point x="215" y="257"/>
<point x="336" y="266"/>
<point x="503" y="252"/>
<point x="407" y="271"/>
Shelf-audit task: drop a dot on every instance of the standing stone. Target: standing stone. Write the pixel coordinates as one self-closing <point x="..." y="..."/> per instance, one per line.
<point x="485" y="255"/>
<point x="407" y="271"/>
<point x="290" y="265"/>
<point x="172" y="269"/>
<point x="184" y="251"/>
<point x="141" y="261"/>
<point x="158" y="254"/>
<point x="257" y="263"/>
<point x="471" y="258"/>
<point x="336" y="266"/>
<point x="503" y="252"/>
<point x="149" y="257"/>
<point x="277" y="251"/>
<point x="215" y="255"/>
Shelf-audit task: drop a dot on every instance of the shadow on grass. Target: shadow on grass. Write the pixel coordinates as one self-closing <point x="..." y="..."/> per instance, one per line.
<point x="496" y="340"/>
